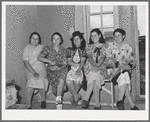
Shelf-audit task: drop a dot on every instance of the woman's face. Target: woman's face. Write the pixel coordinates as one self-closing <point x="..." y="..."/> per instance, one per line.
<point x="119" y="37"/>
<point x="77" y="41"/>
<point x="34" y="40"/>
<point x="56" y="40"/>
<point x="95" y="37"/>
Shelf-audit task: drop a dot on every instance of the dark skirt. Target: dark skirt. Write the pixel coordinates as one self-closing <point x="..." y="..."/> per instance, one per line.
<point x="54" y="78"/>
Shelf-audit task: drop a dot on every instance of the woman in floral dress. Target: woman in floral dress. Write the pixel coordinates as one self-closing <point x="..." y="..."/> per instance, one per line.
<point x="92" y="68"/>
<point x="55" y="57"/>
<point x="125" y="62"/>
<point x="76" y="58"/>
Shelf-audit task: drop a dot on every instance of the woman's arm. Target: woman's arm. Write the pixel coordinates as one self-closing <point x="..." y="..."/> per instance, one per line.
<point x="81" y="63"/>
<point x="45" y="60"/>
<point x="78" y="72"/>
<point x="29" y="68"/>
<point x="101" y="61"/>
<point x="71" y="63"/>
<point x="92" y="61"/>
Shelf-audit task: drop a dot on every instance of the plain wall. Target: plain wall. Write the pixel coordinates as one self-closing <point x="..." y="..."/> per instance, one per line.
<point x="51" y="19"/>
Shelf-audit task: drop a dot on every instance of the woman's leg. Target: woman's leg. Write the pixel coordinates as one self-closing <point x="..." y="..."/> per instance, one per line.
<point x="73" y="88"/>
<point x="96" y="95"/>
<point x="128" y="95"/>
<point x="42" y="93"/>
<point x="60" y="87"/>
<point x="43" y="99"/>
<point x="89" y="90"/>
<point x="122" y="91"/>
<point x="120" y="102"/>
<point x="29" y="96"/>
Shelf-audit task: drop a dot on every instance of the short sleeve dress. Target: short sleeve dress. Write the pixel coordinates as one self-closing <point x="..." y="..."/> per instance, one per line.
<point x="60" y="58"/>
<point x="94" y="73"/>
<point x="75" y="56"/>
<point x="124" y="55"/>
<point x="30" y="54"/>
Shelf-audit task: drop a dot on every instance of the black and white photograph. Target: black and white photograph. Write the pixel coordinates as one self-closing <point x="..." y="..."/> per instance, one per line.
<point x="75" y="60"/>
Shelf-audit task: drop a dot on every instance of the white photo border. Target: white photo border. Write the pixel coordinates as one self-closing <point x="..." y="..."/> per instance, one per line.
<point x="72" y="114"/>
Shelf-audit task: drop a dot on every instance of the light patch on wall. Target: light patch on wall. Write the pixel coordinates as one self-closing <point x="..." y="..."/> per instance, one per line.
<point x="13" y="52"/>
<point x="71" y="30"/>
<point x="19" y="16"/>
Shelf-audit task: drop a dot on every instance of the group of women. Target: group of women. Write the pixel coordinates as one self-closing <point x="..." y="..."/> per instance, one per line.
<point x="66" y="68"/>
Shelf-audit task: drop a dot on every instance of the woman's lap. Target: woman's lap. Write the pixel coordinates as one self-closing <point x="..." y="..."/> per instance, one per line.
<point x="92" y="76"/>
<point x="54" y="78"/>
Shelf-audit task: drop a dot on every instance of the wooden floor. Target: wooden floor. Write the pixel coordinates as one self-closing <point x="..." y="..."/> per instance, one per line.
<point x="51" y="106"/>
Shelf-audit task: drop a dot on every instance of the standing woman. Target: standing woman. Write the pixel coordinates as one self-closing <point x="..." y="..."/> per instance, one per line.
<point x="76" y="58"/>
<point x="35" y="71"/>
<point x="96" y="55"/>
<point x="55" y="57"/>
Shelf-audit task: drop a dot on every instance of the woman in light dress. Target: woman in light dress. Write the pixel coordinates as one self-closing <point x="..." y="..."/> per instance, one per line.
<point x="94" y="75"/>
<point x="36" y="74"/>
<point x="76" y="58"/>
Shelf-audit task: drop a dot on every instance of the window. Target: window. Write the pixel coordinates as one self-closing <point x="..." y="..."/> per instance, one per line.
<point x="101" y="16"/>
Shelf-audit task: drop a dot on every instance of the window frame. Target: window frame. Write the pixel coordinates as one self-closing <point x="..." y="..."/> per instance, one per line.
<point x="101" y="13"/>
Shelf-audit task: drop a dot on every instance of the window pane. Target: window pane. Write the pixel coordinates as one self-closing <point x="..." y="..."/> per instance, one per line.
<point x="108" y="20"/>
<point x="108" y="32"/>
<point x="95" y="21"/>
<point x="107" y="8"/>
<point x="95" y="8"/>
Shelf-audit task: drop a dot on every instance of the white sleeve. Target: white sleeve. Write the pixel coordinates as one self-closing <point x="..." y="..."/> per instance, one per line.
<point x="26" y="53"/>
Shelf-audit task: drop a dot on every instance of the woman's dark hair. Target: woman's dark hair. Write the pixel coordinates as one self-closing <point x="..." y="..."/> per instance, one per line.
<point x="83" y="43"/>
<point x="36" y="33"/>
<point x="120" y="31"/>
<point x="101" y="40"/>
<point x="57" y="33"/>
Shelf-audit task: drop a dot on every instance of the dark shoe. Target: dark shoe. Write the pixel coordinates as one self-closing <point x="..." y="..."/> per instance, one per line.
<point x="72" y="100"/>
<point x="43" y="104"/>
<point x="135" y="108"/>
<point x="120" y="105"/>
<point x="76" y="102"/>
<point x="97" y="108"/>
<point x="84" y="104"/>
<point x="29" y="108"/>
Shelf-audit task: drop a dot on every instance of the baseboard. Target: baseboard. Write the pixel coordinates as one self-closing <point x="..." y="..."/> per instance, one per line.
<point x="67" y="102"/>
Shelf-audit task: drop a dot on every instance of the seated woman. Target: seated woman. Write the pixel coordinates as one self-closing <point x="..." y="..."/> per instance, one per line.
<point x="124" y="57"/>
<point x="55" y="56"/>
<point x="76" y="59"/>
<point x="35" y="71"/>
<point x="92" y="68"/>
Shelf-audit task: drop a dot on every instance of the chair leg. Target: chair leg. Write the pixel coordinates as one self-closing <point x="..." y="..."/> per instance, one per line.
<point x="112" y="95"/>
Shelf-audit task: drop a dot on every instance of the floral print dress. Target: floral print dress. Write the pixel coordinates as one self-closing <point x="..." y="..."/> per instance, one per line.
<point x="61" y="61"/>
<point x="123" y="56"/>
<point x="76" y="56"/>
<point x="95" y="73"/>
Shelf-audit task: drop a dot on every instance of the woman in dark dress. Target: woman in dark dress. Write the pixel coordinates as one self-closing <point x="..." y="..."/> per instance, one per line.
<point x="55" y="57"/>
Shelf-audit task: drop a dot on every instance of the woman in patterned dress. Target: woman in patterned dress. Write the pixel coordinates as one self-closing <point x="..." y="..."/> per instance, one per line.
<point x="76" y="58"/>
<point x="124" y="57"/>
<point x="35" y="71"/>
<point x="55" y="57"/>
<point x="94" y="76"/>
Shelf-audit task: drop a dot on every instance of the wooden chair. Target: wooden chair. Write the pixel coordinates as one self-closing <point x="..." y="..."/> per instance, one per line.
<point x="111" y="91"/>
